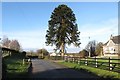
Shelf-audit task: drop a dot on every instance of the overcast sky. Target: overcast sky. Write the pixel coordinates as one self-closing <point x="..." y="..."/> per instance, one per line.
<point x="27" y="22"/>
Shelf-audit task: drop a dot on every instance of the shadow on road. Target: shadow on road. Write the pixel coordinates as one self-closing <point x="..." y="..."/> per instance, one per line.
<point x="63" y="74"/>
<point x="47" y="70"/>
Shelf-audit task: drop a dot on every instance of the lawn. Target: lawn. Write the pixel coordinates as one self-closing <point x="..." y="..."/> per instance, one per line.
<point x="99" y="72"/>
<point x="15" y="66"/>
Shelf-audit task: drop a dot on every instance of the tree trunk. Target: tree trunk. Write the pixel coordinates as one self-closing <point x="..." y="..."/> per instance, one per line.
<point x="63" y="44"/>
<point x="62" y="49"/>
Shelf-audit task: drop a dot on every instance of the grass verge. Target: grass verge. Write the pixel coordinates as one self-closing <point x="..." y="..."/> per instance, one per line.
<point x="15" y="67"/>
<point x="99" y="72"/>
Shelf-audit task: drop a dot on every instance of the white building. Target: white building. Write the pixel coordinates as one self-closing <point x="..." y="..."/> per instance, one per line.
<point x="112" y="46"/>
<point x="54" y="54"/>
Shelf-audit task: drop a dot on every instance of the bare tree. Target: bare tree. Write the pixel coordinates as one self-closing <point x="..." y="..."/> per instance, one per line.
<point x="90" y="47"/>
<point x="99" y="49"/>
<point x="5" y="41"/>
<point x="14" y="44"/>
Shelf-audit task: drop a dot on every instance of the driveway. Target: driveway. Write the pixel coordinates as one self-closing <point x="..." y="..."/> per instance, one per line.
<point x="47" y="69"/>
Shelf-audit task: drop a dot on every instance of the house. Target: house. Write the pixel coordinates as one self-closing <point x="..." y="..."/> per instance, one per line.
<point x="112" y="46"/>
<point x="54" y="54"/>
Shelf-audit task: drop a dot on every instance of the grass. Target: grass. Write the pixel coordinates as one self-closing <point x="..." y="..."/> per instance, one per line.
<point x="102" y="63"/>
<point x="5" y="54"/>
<point x="102" y="60"/>
<point x="99" y="72"/>
<point x="15" y="66"/>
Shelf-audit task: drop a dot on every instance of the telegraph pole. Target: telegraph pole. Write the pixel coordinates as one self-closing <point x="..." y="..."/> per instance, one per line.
<point x="89" y="46"/>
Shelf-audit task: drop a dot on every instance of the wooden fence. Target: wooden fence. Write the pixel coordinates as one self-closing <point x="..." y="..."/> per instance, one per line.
<point x="103" y="63"/>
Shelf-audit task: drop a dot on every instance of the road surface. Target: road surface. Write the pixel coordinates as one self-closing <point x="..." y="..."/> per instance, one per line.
<point x="47" y="69"/>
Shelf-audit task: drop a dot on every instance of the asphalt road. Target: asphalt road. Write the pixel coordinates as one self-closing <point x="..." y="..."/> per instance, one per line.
<point x="47" y="69"/>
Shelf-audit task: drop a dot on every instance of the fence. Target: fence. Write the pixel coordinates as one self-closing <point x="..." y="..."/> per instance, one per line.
<point x="102" y="63"/>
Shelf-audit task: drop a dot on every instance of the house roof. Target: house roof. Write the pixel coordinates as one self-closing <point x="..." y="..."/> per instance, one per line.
<point x="115" y="39"/>
<point x="106" y="43"/>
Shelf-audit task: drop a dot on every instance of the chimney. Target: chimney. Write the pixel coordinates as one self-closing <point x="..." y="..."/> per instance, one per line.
<point x="111" y="37"/>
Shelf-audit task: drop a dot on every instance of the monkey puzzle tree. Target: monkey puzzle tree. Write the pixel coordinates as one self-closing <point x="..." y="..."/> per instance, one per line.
<point x="62" y="28"/>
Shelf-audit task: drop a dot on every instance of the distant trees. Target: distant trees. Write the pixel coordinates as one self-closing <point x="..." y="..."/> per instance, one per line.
<point x="31" y="53"/>
<point x="84" y="53"/>
<point x="99" y="49"/>
<point x="90" y="47"/>
<point x="42" y="53"/>
<point x="94" y="48"/>
<point x="12" y="44"/>
<point x="5" y="41"/>
<point x="62" y="28"/>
